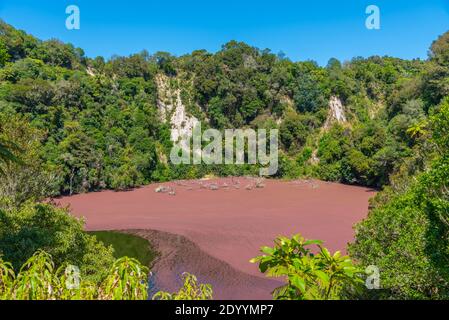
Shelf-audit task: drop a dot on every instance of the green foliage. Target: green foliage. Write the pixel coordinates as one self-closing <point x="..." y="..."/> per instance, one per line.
<point x="127" y="279"/>
<point x="406" y="235"/>
<point x="6" y="154"/>
<point x="293" y="132"/>
<point x="439" y="123"/>
<point x="36" y="226"/>
<point x="39" y="279"/>
<point x="436" y="77"/>
<point x="24" y="175"/>
<point x="4" y="55"/>
<point x="79" y="124"/>
<point x="102" y="127"/>
<point x="310" y="88"/>
<point x="309" y="276"/>
<point x="56" y="53"/>
<point x="439" y="51"/>
<point x="234" y="85"/>
<point x="191" y="290"/>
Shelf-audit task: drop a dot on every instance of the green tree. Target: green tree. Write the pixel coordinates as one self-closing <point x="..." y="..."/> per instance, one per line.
<point x="6" y="154"/>
<point x="34" y="226"/>
<point x="436" y="77"/>
<point x="4" y="55"/>
<point x="407" y="235"/>
<point x="310" y="87"/>
<point x="293" y="132"/>
<point x="25" y="176"/>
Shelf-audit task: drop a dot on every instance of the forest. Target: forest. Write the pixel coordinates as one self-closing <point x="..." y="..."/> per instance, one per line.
<point x="73" y="124"/>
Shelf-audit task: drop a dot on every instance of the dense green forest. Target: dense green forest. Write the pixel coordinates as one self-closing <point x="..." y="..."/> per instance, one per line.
<point x="71" y="124"/>
<point x="96" y="123"/>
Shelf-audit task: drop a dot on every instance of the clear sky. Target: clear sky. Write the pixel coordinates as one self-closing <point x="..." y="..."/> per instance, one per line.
<point x="302" y="29"/>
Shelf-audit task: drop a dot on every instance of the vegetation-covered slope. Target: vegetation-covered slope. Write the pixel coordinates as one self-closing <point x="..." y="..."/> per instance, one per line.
<point x="100" y="126"/>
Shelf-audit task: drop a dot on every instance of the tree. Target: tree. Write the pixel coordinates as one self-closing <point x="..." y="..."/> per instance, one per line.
<point x="6" y="154"/>
<point x="56" y="53"/>
<point x="31" y="96"/>
<point x="406" y="237"/>
<point x="293" y="132"/>
<point x="439" y="51"/>
<point x="165" y="62"/>
<point x="310" y="89"/>
<point x="79" y="160"/>
<point x="24" y="174"/>
<point x="4" y="55"/>
<point x="36" y="226"/>
<point x="436" y="78"/>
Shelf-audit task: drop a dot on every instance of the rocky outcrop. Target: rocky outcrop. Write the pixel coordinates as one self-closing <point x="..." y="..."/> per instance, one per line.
<point x="336" y="112"/>
<point x="173" y="110"/>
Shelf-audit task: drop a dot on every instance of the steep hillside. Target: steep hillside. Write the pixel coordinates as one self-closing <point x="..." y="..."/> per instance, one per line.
<point x="108" y="124"/>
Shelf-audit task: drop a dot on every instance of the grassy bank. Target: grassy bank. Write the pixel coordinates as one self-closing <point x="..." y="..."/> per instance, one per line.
<point x="127" y="245"/>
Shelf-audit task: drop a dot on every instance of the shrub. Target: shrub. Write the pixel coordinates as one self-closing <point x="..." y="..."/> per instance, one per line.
<point x="309" y="276"/>
<point x="191" y="290"/>
<point x="36" y="226"/>
<point x="39" y="279"/>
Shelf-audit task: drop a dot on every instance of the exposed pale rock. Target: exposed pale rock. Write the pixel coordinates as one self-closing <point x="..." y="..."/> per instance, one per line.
<point x="336" y="112"/>
<point x="172" y="109"/>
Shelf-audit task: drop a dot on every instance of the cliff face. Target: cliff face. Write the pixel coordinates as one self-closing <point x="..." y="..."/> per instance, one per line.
<point x="336" y="112"/>
<point x="172" y="109"/>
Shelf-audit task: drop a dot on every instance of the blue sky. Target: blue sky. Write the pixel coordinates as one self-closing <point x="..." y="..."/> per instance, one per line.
<point x="302" y="29"/>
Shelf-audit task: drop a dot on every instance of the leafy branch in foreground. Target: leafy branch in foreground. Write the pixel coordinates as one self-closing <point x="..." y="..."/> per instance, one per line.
<point x="309" y="276"/>
<point x="38" y="279"/>
<point x="190" y="291"/>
